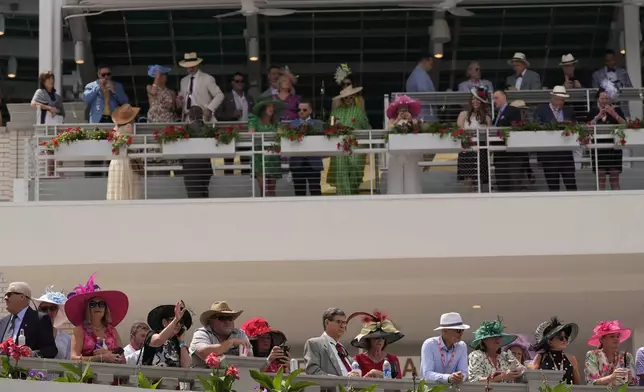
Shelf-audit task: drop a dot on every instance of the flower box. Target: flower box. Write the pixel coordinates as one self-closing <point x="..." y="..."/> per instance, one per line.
<point x="87" y="150"/>
<point x="541" y="141"/>
<point x="633" y="137"/>
<point x="423" y="143"/>
<point x="311" y="146"/>
<point x="197" y="148"/>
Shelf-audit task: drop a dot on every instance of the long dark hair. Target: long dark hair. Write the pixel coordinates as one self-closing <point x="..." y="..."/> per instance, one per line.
<point x="481" y="113"/>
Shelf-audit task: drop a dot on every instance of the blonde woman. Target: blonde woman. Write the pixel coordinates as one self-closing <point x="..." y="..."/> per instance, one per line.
<point x="122" y="179"/>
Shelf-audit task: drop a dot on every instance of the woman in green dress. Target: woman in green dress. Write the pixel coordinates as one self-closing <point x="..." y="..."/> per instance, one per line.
<point x="346" y="171"/>
<point x="265" y="117"/>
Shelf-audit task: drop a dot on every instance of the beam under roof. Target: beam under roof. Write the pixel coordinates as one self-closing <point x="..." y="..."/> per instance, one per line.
<point x="27" y="48"/>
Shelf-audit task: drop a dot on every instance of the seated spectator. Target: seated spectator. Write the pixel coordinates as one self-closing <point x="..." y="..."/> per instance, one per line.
<point x="487" y="362"/>
<point x="268" y="343"/>
<point x="552" y="338"/>
<point x="608" y="365"/>
<point x="48" y="101"/>
<point x="50" y="303"/>
<point x="164" y="346"/>
<point x="325" y="355"/>
<point x="95" y="315"/>
<point x="376" y="334"/>
<point x="474" y="80"/>
<point x="218" y="334"/>
<point x="37" y="327"/>
<point x="520" y="348"/>
<point x="572" y="78"/>
<point x="404" y="174"/>
<point x="138" y="333"/>
<point x="443" y="359"/>
<point x="523" y="78"/>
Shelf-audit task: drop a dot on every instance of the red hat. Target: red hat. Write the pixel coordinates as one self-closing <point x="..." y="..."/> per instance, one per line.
<point x="258" y="326"/>
<point x="78" y="299"/>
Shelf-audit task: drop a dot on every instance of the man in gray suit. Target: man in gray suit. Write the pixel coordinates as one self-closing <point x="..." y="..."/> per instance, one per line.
<point x="325" y="355"/>
<point x="523" y="78"/>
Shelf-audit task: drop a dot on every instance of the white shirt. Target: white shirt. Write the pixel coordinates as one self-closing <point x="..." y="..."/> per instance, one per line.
<point x="337" y="355"/>
<point x="131" y="355"/>
<point x="517" y="84"/>
<point x="242" y="105"/>
<point x="610" y="75"/>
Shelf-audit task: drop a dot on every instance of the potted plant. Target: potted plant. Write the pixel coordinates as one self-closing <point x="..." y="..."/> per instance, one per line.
<point x="85" y="144"/>
<point x="339" y="139"/>
<point x="12" y="351"/>
<point x="423" y="137"/>
<point x="197" y="142"/>
<point x="75" y="373"/>
<point x="218" y="382"/>
<point x="531" y="136"/>
<point x="631" y="134"/>
<point x="278" y="383"/>
<point x="290" y="138"/>
<point x="145" y="383"/>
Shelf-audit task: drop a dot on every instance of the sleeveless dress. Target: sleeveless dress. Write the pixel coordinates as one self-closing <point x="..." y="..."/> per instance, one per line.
<point x="91" y="342"/>
<point x="467" y="166"/>
<point x="556" y="360"/>
<point x="123" y="183"/>
<point x="162" y="106"/>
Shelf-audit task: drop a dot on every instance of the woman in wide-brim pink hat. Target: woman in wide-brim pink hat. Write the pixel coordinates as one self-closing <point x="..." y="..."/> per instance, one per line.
<point x="404" y="174"/>
<point x="95" y="315"/>
<point x="607" y="365"/>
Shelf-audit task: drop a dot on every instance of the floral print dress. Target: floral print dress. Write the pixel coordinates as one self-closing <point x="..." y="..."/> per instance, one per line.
<point x="479" y="366"/>
<point x="346" y="171"/>
<point x="162" y="106"/>
<point x="598" y="366"/>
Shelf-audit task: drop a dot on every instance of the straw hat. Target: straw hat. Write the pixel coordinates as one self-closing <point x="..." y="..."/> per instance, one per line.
<point x="559" y="91"/>
<point x="190" y="60"/>
<point x="519" y="104"/>
<point x="451" y="320"/>
<point x="217" y="308"/>
<point x="125" y="114"/>
<point x="568" y="59"/>
<point x="347" y="92"/>
<point x="518" y="56"/>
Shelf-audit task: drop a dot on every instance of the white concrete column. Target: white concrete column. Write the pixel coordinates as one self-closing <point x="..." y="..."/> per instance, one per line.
<point x="50" y="39"/>
<point x="57" y="33"/>
<point x="632" y="34"/>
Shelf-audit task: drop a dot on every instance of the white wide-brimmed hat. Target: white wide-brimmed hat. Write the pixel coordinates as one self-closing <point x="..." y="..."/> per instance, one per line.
<point x="451" y="320"/>
<point x="518" y="56"/>
<point x="54" y="298"/>
<point x="190" y="60"/>
<point x="559" y="91"/>
<point x="568" y="59"/>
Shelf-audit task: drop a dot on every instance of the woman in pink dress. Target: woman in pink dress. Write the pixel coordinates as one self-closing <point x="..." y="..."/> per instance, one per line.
<point x="95" y="315"/>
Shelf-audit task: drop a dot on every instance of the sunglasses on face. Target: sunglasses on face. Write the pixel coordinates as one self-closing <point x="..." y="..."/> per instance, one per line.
<point x="224" y="318"/>
<point x="561" y="338"/>
<point x="8" y="295"/>
<point x="97" y="304"/>
<point x="48" y="308"/>
<point x="238" y="80"/>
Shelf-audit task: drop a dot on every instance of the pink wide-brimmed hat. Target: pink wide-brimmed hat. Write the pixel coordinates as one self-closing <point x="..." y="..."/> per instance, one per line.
<point x="402" y="100"/>
<point x="78" y="300"/>
<point x="607" y="328"/>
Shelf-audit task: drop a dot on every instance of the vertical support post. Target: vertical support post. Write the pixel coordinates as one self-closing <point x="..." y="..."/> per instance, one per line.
<point x="45" y="36"/>
<point x="633" y="55"/>
<point x="57" y="53"/>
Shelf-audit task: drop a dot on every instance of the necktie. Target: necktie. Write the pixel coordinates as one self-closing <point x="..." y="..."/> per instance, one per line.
<point x="11" y="327"/>
<point x="342" y="353"/>
<point x="189" y="102"/>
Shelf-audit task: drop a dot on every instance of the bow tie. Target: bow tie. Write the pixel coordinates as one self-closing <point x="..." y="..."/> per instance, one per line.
<point x="610" y="69"/>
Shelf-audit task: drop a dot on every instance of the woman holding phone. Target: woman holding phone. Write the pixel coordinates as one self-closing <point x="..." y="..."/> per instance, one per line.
<point x="607" y="365"/>
<point x="164" y="345"/>
<point x="268" y="343"/>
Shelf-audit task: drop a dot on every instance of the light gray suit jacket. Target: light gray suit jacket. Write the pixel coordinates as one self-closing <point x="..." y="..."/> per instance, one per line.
<point x="319" y="357"/>
<point x="530" y="81"/>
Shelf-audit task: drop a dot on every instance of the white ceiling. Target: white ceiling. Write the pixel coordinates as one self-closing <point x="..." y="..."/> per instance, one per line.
<point x="293" y="295"/>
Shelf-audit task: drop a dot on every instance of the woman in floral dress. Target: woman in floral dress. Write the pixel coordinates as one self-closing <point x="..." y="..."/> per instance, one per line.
<point x="487" y="361"/>
<point x="607" y="365"/>
<point x="346" y="171"/>
<point x="162" y="99"/>
<point x="265" y="117"/>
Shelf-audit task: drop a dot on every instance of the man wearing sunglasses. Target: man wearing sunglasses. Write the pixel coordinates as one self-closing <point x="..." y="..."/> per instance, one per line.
<point x="37" y="327"/>
<point x="443" y="359"/>
<point x="306" y="170"/>
<point x="235" y="107"/>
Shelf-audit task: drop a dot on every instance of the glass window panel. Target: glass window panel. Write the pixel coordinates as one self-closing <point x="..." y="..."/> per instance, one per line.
<point x="337" y="44"/>
<point x="186" y="45"/>
<point x="148" y="29"/>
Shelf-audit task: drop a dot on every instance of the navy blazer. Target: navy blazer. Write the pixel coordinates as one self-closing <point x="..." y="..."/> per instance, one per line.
<point x="303" y="163"/>
<point x="544" y="115"/>
<point x="39" y="332"/>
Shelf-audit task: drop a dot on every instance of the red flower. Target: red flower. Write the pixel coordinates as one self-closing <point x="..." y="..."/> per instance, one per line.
<point x="44" y="144"/>
<point x="113" y="150"/>
<point x="56" y="143"/>
<point x="213" y="361"/>
<point x="232" y="372"/>
<point x="156" y="134"/>
<point x="292" y="138"/>
<point x="6" y="346"/>
<point x="129" y="140"/>
<point x="566" y="133"/>
<point x="338" y="146"/>
<point x="186" y="136"/>
<point x="623" y="141"/>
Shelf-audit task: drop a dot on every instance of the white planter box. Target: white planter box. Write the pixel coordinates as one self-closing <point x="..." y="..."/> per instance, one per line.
<point x="541" y="141"/>
<point x="197" y="148"/>
<point x="87" y="150"/>
<point x="423" y="143"/>
<point x="634" y="137"/>
<point x="311" y="146"/>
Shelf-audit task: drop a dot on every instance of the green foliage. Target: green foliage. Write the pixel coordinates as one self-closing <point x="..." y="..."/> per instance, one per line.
<point x="370" y="388"/>
<point x="145" y="383"/>
<point x="423" y="387"/>
<point x="278" y="383"/>
<point x="75" y="373"/>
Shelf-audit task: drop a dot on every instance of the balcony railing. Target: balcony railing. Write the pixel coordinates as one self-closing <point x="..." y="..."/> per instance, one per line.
<point x="107" y="376"/>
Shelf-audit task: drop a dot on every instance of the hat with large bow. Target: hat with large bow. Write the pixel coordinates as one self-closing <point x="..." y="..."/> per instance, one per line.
<point x="376" y="326"/>
<point x="492" y="329"/>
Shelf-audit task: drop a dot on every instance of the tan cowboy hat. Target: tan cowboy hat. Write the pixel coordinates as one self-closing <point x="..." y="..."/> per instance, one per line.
<point x="219" y="307"/>
<point x="125" y="114"/>
<point x="518" y="56"/>
<point x="347" y="92"/>
<point x="519" y="103"/>
<point x="560" y="91"/>
<point x="190" y="60"/>
<point x="568" y="59"/>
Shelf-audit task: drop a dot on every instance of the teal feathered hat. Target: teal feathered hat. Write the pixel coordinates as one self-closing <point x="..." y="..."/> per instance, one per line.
<point x="492" y="329"/>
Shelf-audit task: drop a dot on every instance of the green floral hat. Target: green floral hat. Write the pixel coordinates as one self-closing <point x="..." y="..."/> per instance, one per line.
<point x="492" y="329"/>
<point x="258" y="109"/>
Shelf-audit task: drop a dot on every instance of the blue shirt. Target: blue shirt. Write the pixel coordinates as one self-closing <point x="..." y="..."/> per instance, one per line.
<point x="95" y="100"/>
<point x="420" y="82"/>
<point x="432" y="366"/>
